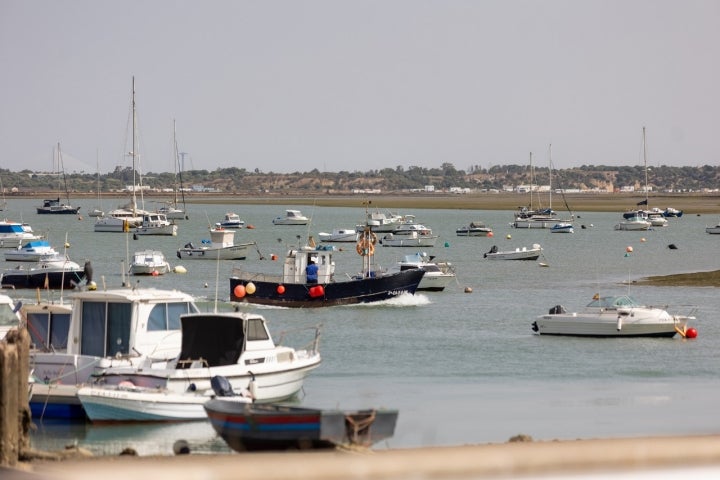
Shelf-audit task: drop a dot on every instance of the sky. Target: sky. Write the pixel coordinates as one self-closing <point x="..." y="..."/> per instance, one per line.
<point x="334" y="85"/>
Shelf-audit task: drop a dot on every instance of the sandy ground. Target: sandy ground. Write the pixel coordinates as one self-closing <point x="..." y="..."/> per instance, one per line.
<point x="658" y="457"/>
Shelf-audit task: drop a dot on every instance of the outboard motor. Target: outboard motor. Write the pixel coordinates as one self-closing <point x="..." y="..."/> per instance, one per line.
<point x="221" y="386"/>
<point x="557" y="309"/>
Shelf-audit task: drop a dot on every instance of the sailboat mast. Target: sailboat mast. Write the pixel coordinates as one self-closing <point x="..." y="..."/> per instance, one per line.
<point x="175" y="162"/>
<point x="550" y="173"/>
<point x="531" y="182"/>
<point x="134" y="196"/>
<point x="61" y="166"/>
<point x="645" y="162"/>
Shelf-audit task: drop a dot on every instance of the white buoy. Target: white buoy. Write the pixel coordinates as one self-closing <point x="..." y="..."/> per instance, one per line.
<point x="619" y="323"/>
<point x="180" y="269"/>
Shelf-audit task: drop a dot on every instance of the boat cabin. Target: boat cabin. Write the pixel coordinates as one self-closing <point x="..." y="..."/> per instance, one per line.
<point x="297" y="260"/>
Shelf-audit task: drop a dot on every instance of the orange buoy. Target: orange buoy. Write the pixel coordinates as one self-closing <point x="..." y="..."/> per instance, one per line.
<point x="280" y="289"/>
<point x="250" y="227"/>
<point x="273" y="257"/>
<point x="155" y="273"/>
<point x="629" y="249"/>
<point x="239" y="291"/>
<point x="490" y="234"/>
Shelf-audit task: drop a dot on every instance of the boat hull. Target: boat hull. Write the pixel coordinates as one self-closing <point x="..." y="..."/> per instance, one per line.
<point x="606" y="326"/>
<point x="275" y="427"/>
<point x="363" y="290"/>
<point x="54" y="279"/>
<point x="235" y="252"/>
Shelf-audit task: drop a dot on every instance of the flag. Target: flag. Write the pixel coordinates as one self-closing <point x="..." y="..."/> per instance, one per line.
<point x="644" y="202"/>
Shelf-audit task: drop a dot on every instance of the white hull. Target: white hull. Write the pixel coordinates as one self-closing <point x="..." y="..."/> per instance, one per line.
<point x="475" y="232"/>
<point x="534" y="223"/>
<point x="161" y="230"/>
<point x="236" y="252"/>
<point x="612" y="317"/>
<point x="633" y="225"/>
<point x="562" y="228"/>
<point x="713" y="230"/>
<point x="346" y="235"/>
<point x="143" y="405"/>
<point x="117" y="225"/>
<point x="435" y="282"/>
<point x="523" y="253"/>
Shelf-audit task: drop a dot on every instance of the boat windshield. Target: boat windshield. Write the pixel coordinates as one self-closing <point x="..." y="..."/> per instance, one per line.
<point x="622" y="301"/>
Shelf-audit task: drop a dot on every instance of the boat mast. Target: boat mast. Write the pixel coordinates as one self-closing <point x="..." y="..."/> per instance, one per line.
<point x="531" y="182"/>
<point x="645" y="162"/>
<point x="61" y="166"/>
<point x="550" y="173"/>
<point x="134" y="196"/>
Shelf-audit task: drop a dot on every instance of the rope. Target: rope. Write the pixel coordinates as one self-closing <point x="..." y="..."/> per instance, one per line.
<point x="359" y="426"/>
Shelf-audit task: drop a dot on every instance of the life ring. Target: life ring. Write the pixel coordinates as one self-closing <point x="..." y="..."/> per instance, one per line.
<point x="365" y="247"/>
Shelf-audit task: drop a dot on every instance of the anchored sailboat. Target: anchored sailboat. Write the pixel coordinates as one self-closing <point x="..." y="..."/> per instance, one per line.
<point x="53" y="205"/>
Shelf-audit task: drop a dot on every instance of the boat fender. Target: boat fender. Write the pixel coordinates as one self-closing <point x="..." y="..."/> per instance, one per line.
<point x="252" y="387"/>
<point x="619" y="323"/>
<point x="221" y="386"/>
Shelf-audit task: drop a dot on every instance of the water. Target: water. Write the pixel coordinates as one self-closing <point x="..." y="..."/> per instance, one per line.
<point x="462" y="368"/>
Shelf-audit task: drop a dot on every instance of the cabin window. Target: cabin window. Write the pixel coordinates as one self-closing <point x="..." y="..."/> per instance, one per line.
<point x="49" y="330"/>
<point x="256" y="330"/>
<point x="166" y="316"/>
<point x="105" y="328"/>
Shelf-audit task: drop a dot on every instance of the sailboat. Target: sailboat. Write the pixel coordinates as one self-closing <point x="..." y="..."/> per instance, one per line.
<point x="173" y="211"/>
<point x="654" y="216"/>
<point x="128" y="216"/>
<point x="53" y="205"/>
<point x="97" y="211"/>
<point x="527" y="217"/>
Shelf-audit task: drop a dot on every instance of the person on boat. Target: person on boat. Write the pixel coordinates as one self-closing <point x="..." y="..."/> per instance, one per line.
<point x="311" y="271"/>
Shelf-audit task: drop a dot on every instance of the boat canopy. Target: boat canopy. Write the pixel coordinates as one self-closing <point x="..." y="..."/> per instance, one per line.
<point x="622" y="301"/>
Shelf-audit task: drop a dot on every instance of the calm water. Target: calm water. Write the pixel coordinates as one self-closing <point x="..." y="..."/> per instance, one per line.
<point x="460" y="367"/>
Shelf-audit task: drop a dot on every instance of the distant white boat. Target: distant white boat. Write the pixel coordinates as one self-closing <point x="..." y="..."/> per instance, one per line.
<point x="523" y="253"/>
<point x="713" y="230"/>
<point x="156" y="224"/>
<point x="562" y="227"/>
<point x="339" y="235"/>
<point x="231" y="220"/>
<point x="291" y="217"/>
<point x="33" y="251"/>
<point x="149" y="262"/>
<point x="633" y="224"/>
<point x="221" y="246"/>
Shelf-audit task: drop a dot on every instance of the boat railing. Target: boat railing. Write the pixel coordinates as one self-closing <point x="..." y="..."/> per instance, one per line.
<point x="311" y="347"/>
<point x="257" y="277"/>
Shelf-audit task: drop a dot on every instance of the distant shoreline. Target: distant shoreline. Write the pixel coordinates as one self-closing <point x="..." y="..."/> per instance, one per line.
<point x="690" y="204"/>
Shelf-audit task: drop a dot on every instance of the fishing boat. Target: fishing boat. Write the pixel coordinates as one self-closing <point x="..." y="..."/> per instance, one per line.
<point x="99" y="329"/>
<point x="53" y="205"/>
<point x="291" y="289"/>
<point x="613" y="316"/>
<point x="149" y="262"/>
<point x="253" y="427"/>
<point x="523" y="253"/>
<point x="233" y="345"/>
<point x="220" y="246"/>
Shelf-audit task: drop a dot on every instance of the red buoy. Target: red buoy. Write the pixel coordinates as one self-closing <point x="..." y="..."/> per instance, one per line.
<point x="316" y="291"/>
<point x="239" y="291"/>
<point x="280" y="289"/>
<point x="691" y="333"/>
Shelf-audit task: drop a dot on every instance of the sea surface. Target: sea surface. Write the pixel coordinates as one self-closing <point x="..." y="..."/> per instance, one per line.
<point x="462" y="367"/>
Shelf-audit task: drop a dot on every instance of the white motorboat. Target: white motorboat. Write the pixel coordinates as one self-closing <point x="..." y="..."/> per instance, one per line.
<point x="149" y="262"/>
<point x="408" y="238"/>
<point x="9" y="315"/>
<point x="231" y="220"/>
<point x="33" y="251"/>
<point x="633" y="224"/>
<point x="220" y="246"/>
<point x="523" y="253"/>
<point x="340" y="235"/>
<point x="438" y="275"/>
<point x="612" y="316"/>
<point x="236" y="346"/>
<point x="713" y="230"/>
<point x="562" y="227"/>
<point x="380" y="222"/>
<point x="15" y="234"/>
<point x="672" y="212"/>
<point x="105" y="328"/>
<point x="120" y="220"/>
<point x="156" y="224"/>
<point x="291" y="217"/>
<point x="475" y="229"/>
<point x="137" y="404"/>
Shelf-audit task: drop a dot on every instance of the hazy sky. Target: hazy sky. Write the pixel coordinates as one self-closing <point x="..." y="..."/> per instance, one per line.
<point x="337" y="85"/>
